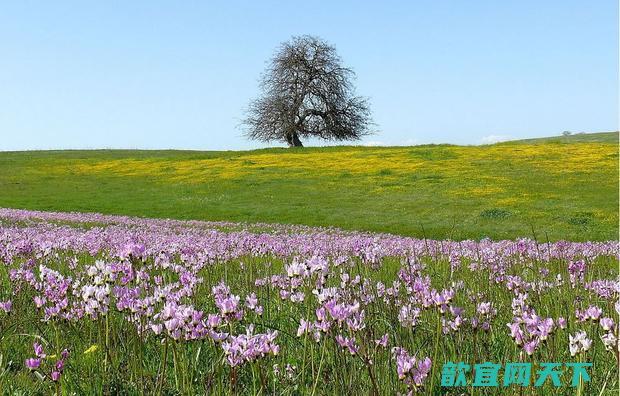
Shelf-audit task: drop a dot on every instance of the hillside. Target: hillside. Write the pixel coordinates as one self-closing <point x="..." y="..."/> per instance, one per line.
<point x="599" y="137"/>
<point x="508" y="190"/>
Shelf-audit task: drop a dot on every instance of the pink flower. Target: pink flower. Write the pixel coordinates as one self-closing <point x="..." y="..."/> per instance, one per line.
<point x="607" y="323"/>
<point x="39" y="301"/>
<point x="530" y="347"/>
<point x="251" y="301"/>
<point x="562" y="323"/>
<point x="38" y="350"/>
<point x="348" y="343"/>
<point x="6" y="306"/>
<point x="60" y="364"/>
<point x="304" y="326"/>
<point x="411" y="370"/>
<point x="33" y="363"/>
<point x="383" y="341"/>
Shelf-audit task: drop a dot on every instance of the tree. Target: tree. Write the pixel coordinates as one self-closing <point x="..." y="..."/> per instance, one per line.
<point x="307" y="92"/>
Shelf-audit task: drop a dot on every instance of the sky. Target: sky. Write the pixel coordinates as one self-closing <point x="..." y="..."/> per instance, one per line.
<point x="179" y="74"/>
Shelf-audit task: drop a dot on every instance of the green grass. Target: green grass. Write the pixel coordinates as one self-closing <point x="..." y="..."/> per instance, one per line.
<point x="599" y="137"/>
<point x="544" y="188"/>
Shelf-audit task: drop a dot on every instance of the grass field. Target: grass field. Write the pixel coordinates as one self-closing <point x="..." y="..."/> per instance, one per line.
<point x="556" y="188"/>
<point x="599" y="137"/>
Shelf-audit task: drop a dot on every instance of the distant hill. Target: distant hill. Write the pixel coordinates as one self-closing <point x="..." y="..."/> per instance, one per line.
<point x="535" y="187"/>
<point x="598" y="137"/>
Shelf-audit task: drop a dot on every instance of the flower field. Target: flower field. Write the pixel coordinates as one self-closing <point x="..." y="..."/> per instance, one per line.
<point x="546" y="190"/>
<point x="95" y="304"/>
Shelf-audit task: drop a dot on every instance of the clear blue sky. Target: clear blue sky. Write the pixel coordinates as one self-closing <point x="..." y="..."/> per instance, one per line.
<point x="178" y="74"/>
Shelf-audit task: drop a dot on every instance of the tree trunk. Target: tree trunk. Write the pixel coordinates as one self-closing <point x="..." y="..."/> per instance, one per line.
<point x="293" y="140"/>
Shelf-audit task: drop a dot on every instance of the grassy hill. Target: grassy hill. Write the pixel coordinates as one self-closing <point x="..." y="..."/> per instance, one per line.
<point x="599" y="137"/>
<point x="560" y="191"/>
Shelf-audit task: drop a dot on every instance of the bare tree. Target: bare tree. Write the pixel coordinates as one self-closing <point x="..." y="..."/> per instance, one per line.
<point x="307" y="92"/>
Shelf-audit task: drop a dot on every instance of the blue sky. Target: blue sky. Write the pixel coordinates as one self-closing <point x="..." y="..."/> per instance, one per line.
<point x="155" y="74"/>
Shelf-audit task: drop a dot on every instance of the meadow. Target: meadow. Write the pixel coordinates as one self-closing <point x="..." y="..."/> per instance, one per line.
<point x="546" y="189"/>
<point x="313" y="271"/>
<point x="99" y="304"/>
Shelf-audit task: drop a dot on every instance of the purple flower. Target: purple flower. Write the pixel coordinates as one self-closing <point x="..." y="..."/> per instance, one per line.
<point x="411" y="370"/>
<point x="38" y="350"/>
<point x="251" y="301"/>
<point x="408" y="315"/>
<point x="249" y="347"/>
<point x="39" y="301"/>
<point x="157" y="328"/>
<point x="214" y="321"/>
<point x="423" y="367"/>
<point x="545" y="327"/>
<point x="530" y="347"/>
<point x="561" y="322"/>
<point x="227" y="304"/>
<point x="607" y="323"/>
<point x="60" y="364"/>
<point x="594" y="312"/>
<point x="516" y="333"/>
<point x="383" y="341"/>
<point x="172" y="324"/>
<point x="33" y="363"/>
<point x="304" y="327"/>
<point x="484" y="308"/>
<point x="576" y="271"/>
<point x="6" y="306"/>
<point x="347" y="343"/>
<point x="55" y="375"/>
<point x="132" y="250"/>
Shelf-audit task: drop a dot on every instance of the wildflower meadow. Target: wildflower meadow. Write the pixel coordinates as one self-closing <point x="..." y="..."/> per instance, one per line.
<point x="95" y="304"/>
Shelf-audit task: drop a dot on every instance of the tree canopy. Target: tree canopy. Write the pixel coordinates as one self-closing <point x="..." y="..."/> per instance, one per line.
<point x="306" y="92"/>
